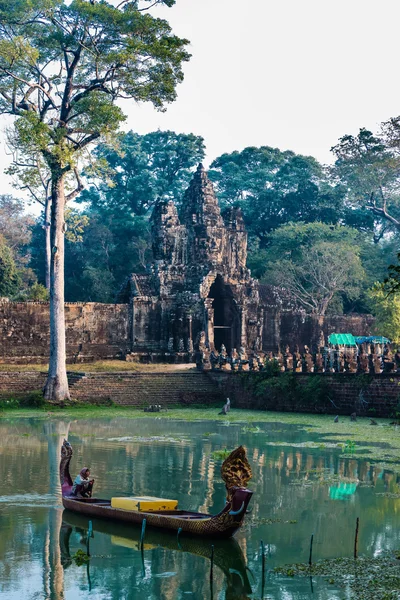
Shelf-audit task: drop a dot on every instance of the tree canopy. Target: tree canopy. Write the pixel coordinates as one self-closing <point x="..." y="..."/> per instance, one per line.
<point x="315" y="262"/>
<point x="274" y="188"/>
<point x="141" y="168"/>
<point x="63" y="66"/>
<point x="369" y="167"/>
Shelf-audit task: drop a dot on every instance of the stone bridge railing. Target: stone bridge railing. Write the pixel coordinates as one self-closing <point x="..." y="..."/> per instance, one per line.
<point x="366" y="358"/>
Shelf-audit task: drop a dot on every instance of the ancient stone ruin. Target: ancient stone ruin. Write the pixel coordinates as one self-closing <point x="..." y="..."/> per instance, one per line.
<point x="198" y="293"/>
<point x="197" y="297"/>
<point x="199" y="290"/>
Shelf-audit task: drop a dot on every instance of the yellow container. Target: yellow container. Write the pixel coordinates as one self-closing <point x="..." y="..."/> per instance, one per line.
<point x="144" y="503"/>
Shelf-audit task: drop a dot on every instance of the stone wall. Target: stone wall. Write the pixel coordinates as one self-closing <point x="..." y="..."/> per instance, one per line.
<point x="291" y="329"/>
<point x="93" y="331"/>
<point x="343" y="393"/>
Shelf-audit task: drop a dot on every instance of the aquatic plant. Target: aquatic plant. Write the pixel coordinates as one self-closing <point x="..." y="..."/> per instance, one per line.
<point x="367" y="578"/>
<point x="80" y="558"/>
<point x="220" y="454"/>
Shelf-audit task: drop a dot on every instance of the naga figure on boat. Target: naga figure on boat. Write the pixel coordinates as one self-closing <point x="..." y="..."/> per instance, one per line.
<point x="164" y="513"/>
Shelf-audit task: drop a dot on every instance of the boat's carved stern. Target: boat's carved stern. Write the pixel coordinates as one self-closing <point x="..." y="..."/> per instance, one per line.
<point x="65" y="477"/>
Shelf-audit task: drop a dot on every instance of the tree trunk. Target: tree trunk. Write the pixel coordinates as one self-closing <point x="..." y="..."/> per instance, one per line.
<point x="56" y="388"/>
<point x="47" y="217"/>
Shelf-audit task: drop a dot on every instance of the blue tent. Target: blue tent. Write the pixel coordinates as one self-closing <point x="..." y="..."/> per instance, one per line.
<point x="371" y="339"/>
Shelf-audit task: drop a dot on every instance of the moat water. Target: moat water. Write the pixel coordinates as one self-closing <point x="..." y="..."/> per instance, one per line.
<point x="298" y="491"/>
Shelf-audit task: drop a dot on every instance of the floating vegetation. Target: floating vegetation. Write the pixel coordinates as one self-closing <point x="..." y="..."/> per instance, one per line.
<point x="262" y="521"/>
<point x="365" y="578"/>
<point x="220" y="454"/>
<point x="149" y="440"/>
<point x="388" y="494"/>
<point x="350" y="446"/>
<point x="248" y="429"/>
<point x="80" y="558"/>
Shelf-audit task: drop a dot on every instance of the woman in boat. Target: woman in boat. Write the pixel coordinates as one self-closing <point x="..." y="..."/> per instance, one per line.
<point x="82" y="484"/>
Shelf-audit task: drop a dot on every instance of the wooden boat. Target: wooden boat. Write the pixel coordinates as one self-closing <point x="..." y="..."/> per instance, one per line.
<point x="235" y="471"/>
<point x="227" y="554"/>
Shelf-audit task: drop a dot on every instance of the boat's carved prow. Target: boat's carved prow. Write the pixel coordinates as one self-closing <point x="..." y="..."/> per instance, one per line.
<point x="236" y="471"/>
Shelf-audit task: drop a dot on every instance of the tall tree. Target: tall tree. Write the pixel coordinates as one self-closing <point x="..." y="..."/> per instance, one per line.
<point x="63" y="66"/>
<point x="142" y="168"/>
<point x="315" y="262"/>
<point x="275" y="187"/>
<point x="369" y="167"/>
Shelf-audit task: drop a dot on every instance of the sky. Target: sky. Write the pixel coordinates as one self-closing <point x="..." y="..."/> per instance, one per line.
<point x="292" y="74"/>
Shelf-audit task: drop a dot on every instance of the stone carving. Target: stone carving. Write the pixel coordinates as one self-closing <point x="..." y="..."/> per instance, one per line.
<point x="363" y="360"/>
<point x="243" y="359"/>
<point x="234" y="359"/>
<point x="319" y="361"/>
<point x="308" y="361"/>
<point x="388" y="361"/>
<point x="288" y="359"/>
<point x="297" y="361"/>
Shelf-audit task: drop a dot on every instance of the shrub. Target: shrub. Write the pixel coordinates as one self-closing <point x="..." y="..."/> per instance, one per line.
<point x="9" y="403"/>
<point x="33" y="399"/>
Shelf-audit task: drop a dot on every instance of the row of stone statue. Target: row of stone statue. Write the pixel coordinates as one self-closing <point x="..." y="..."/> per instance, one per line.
<point x="368" y="358"/>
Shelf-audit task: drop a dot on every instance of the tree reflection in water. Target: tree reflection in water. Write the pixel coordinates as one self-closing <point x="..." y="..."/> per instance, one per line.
<point x="228" y="556"/>
<point x="294" y="496"/>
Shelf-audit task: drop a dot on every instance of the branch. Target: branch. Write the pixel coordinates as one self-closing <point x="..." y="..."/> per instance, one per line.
<point x="85" y="142"/>
<point x="30" y="190"/>
<point x="78" y="188"/>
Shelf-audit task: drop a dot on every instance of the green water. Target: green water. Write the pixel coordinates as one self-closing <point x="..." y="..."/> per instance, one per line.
<point x="298" y="491"/>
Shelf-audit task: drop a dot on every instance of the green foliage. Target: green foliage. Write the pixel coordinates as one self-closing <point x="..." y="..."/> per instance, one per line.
<point x="140" y="169"/>
<point x="368" y="166"/>
<point x="75" y="222"/>
<point x="64" y="65"/>
<point x="9" y="278"/>
<point x="386" y="308"/>
<point x="315" y="262"/>
<point x="35" y="293"/>
<point x="33" y="399"/>
<point x="80" y="558"/>
<point x="9" y="403"/>
<point x="274" y="187"/>
<point x="109" y="239"/>
<point x="392" y="282"/>
<point x="287" y="387"/>
<point x="220" y="454"/>
<point x="349" y="447"/>
<point x="38" y="293"/>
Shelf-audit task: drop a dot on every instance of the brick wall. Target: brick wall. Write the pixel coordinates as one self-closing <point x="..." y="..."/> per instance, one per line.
<point x="340" y="393"/>
<point x="93" y="331"/>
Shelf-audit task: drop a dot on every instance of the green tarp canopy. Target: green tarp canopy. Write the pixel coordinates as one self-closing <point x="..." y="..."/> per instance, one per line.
<point x="342" y="339"/>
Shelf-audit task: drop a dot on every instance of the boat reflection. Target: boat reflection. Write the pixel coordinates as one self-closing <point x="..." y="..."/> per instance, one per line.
<point x="228" y="555"/>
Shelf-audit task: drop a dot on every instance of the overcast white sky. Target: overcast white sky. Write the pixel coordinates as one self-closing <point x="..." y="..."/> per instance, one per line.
<point x="293" y="74"/>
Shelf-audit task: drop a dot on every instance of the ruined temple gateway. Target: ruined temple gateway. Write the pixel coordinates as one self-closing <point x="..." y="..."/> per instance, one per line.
<point x="198" y="285"/>
<point x="197" y="289"/>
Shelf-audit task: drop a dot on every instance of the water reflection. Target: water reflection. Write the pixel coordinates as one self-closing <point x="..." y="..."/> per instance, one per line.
<point x="298" y="491"/>
<point x="228" y="556"/>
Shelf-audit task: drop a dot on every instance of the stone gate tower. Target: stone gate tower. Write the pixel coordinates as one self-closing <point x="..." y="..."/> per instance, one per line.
<point x="198" y="281"/>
